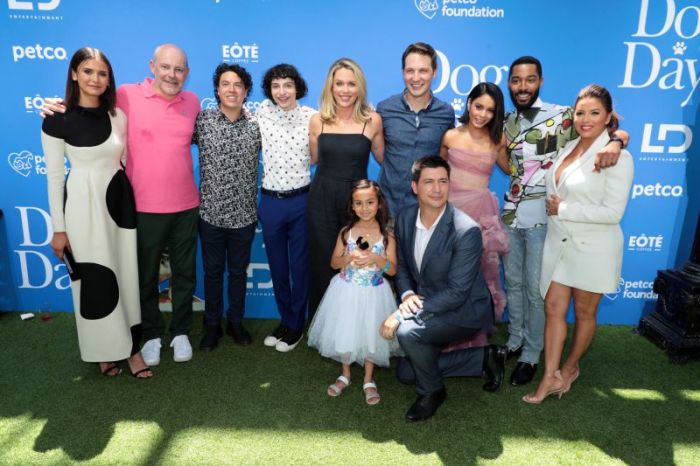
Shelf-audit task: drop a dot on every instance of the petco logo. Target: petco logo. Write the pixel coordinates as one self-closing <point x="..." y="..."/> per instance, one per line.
<point x="47" y="5"/>
<point x="680" y="142"/>
<point x="34" y="104"/>
<point x="656" y="190"/>
<point x="238" y="53"/>
<point x="24" y="163"/>
<point x="430" y="8"/>
<point x="37" y="52"/>
<point x="645" y="243"/>
<point x="668" y="73"/>
<point x="638" y="289"/>
<point x="462" y="78"/>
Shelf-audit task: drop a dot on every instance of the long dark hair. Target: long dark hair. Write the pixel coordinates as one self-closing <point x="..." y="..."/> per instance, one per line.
<point x="108" y="98"/>
<point x="596" y="91"/>
<point x="382" y="215"/>
<point x="495" y="126"/>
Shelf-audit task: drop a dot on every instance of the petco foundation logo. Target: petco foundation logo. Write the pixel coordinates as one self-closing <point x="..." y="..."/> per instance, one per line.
<point x="37" y="52"/>
<point x="457" y="9"/>
<point x="645" y="65"/>
<point x="33" y="10"/>
<point x="638" y="289"/>
<point x="240" y="53"/>
<point x="462" y="78"/>
<point x="646" y="243"/>
<point x="25" y="163"/>
<point x="656" y="190"/>
<point x="668" y="140"/>
<point x="210" y="102"/>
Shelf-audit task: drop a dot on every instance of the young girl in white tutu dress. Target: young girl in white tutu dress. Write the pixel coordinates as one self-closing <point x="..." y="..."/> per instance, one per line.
<point x="358" y="299"/>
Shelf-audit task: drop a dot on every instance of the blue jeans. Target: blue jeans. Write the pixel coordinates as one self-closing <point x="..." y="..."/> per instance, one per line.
<point x="225" y="248"/>
<point x="523" y="265"/>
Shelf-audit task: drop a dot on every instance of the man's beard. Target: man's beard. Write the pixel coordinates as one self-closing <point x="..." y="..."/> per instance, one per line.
<point x="522" y="107"/>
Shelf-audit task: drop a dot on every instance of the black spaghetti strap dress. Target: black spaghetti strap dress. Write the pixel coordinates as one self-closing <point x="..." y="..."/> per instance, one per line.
<point x="342" y="159"/>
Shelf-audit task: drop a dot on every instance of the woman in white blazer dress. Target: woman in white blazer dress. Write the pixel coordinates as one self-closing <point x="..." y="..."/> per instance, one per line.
<point x="582" y="256"/>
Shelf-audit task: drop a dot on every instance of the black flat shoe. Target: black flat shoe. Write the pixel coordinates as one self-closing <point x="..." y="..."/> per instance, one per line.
<point x="523" y="373"/>
<point x="211" y="338"/>
<point x="426" y="406"/>
<point x="494" y="367"/>
<point x="240" y="334"/>
<point x="514" y="353"/>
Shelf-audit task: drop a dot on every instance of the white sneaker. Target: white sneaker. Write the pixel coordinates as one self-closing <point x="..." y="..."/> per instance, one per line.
<point x="182" y="350"/>
<point x="151" y="352"/>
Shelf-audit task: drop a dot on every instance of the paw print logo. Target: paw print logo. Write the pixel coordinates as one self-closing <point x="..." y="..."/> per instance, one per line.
<point x="457" y="104"/>
<point x="679" y="48"/>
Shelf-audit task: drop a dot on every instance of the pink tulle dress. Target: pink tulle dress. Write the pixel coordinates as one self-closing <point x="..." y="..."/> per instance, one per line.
<point x="469" y="192"/>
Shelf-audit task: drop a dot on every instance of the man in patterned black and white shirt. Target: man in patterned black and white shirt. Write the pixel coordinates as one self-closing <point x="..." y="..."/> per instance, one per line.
<point x="229" y="143"/>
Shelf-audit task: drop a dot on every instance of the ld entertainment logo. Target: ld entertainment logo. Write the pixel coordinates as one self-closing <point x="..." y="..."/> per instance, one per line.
<point x="28" y="5"/>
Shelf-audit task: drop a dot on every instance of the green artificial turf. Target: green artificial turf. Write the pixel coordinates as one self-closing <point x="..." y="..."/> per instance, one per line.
<point x="257" y="406"/>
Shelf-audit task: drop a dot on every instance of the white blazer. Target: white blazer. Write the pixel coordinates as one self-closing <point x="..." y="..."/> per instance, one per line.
<point x="583" y="247"/>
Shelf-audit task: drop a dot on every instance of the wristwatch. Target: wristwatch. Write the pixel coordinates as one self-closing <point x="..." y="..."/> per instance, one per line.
<point x="617" y="139"/>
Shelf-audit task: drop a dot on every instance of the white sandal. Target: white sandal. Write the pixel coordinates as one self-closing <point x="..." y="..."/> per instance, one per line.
<point x="371" y="398"/>
<point x="334" y="390"/>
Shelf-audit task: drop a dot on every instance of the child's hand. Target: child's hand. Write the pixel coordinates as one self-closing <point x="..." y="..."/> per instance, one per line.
<point x="389" y="327"/>
<point x="360" y="258"/>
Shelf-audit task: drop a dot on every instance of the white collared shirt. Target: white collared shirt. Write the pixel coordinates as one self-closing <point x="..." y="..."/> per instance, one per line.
<point x="422" y="239"/>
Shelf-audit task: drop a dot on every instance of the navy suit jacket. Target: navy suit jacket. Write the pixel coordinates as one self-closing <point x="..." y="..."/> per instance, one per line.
<point x="450" y="278"/>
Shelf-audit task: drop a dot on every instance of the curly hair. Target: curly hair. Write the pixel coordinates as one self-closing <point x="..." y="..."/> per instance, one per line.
<point x="284" y="70"/>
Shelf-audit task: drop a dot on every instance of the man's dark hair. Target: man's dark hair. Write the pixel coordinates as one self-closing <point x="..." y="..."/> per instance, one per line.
<point x="420" y="48"/>
<point x="526" y="60"/>
<point x="283" y="70"/>
<point x="240" y="72"/>
<point x="430" y="161"/>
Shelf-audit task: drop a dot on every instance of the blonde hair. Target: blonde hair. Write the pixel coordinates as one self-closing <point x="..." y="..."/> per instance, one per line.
<point x="327" y="107"/>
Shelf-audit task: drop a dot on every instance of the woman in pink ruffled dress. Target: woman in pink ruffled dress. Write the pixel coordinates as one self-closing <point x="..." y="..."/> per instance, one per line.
<point x="472" y="149"/>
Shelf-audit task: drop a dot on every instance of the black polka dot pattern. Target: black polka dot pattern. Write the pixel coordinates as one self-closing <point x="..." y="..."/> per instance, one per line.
<point x="99" y="291"/>
<point x="120" y="201"/>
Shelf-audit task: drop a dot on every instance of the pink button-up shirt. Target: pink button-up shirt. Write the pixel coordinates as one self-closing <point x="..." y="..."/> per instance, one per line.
<point x="159" y="136"/>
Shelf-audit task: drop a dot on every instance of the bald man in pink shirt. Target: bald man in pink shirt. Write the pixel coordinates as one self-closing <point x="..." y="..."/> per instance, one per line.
<point x="160" y="122"/>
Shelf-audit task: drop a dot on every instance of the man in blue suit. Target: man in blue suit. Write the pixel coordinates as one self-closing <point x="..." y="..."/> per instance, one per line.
<point x="444" y="296"/>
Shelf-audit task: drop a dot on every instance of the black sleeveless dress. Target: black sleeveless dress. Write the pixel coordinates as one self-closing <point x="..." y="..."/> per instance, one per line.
<point x="342" y="159"/>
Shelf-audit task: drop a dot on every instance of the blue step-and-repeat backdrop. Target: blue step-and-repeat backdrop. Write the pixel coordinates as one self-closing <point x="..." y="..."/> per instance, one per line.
<point x="645" y="51"/>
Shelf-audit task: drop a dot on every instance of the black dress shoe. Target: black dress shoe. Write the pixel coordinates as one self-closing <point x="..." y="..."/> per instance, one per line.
<point x="523" y="373"/>
<point x="494" y="366"/>
<point x="211" y="338"/>
<point x="239" y="333"/>
<point x="514" y="353"/>
<point x="426" y="405"/>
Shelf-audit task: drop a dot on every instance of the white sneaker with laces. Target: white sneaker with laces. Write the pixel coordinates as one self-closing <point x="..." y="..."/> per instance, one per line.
<point x="182" y="350"/>
<point x="151" y="352"/>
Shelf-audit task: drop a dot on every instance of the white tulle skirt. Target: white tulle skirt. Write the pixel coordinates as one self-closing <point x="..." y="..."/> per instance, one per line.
<point x="346" y="325"/>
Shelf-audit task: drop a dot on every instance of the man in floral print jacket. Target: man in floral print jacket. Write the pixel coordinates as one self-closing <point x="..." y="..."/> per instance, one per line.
<point x="535" y="132"/>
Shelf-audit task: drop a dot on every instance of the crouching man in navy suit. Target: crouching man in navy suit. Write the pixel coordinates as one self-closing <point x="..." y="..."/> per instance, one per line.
<point x="444" y="296"/>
